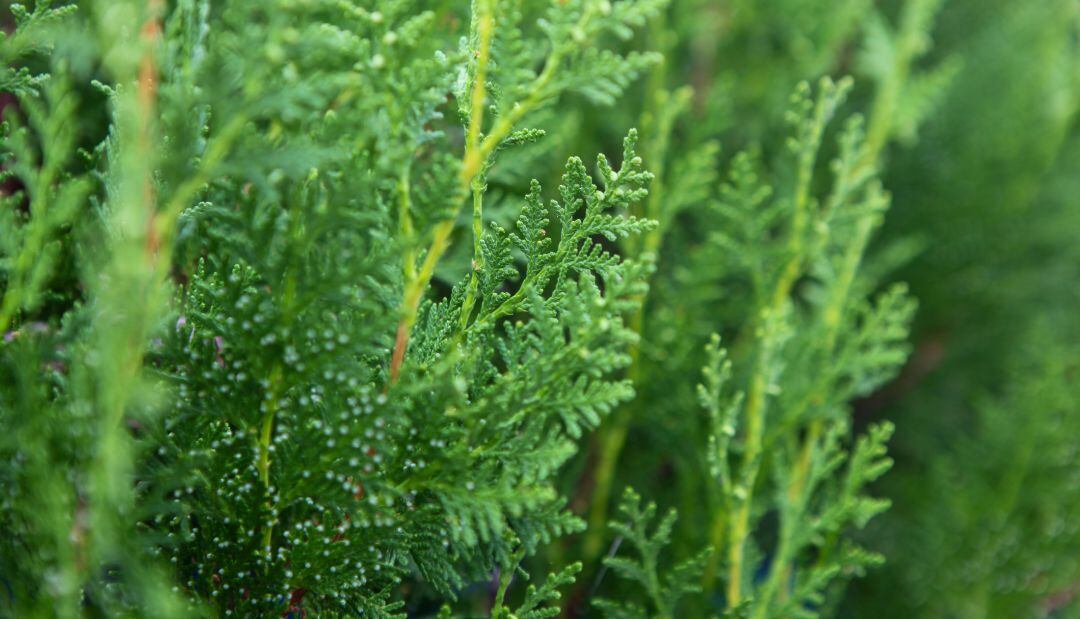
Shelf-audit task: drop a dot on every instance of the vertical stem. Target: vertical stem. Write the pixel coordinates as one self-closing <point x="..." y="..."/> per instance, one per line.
<point x="758" y="386"/>
<point x="266" y="435"/>
<point x="473" y="164"/>
<point x="147" y="105"/>
<point x="138" y="202"/>
<point x="917" y="16"/>
<point x="610" y="445"/>
<point x="879" y="130"/>
<point x="127" y="291"/>
<point x="780" y="569"/>
<point x="478" y="255"/>
<point x="744" y="491"/>
<point x="506" y="576"/>
<point x="406" y="223"/>
<point x="414" y="291"/>
<point x="485" y="26"/>
<point x="470" y="168"/>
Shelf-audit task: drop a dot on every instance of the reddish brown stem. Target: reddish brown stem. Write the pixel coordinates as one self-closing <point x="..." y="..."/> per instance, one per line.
<point x="401" y="342"/>
<point x="147" y="97"/>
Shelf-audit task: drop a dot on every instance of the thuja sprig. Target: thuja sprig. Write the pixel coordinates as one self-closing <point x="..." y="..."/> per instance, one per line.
<point x="854" y="168"/>
<point x="539" y="602"/>
<point x="809" y="130"/>
<point x="663" y="587"/>
<point x="30" y="249"/>
<point x="576" y="251"/>
<point x="890" y="57"/>
<point x="568" y="27"/>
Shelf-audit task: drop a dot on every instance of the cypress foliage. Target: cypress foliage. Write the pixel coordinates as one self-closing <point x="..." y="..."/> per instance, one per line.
<point x="315" y="308"/>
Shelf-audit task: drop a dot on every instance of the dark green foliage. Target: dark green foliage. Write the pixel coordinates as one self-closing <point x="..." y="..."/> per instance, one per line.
<point x="260" y="358"/>
<point x="276" y="466"/>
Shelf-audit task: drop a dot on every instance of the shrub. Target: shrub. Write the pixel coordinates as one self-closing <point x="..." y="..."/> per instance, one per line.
<point x="313" y="307"/>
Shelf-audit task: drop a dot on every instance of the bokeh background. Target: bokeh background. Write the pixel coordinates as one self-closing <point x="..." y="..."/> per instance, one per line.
<point x="985" y="229"/>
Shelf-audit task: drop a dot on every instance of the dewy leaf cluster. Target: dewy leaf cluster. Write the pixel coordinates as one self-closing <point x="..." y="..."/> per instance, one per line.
<point x="314" y="308"/>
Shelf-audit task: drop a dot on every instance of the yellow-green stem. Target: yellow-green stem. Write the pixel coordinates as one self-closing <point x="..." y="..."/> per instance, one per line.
<point x="831" y="317"/>
<point x="266" y="435"/>
<point x="755" y="417"/>
<point x="506" y="576"/>
<point x="478" y="151"/>
<point x="274" y="392"/>
<point x="880" y="127"/>
<point x="757" y="392"/>
<point x="478" y="255"/>
<point x="610" y="446"/>
<point x="470" y="167"/>
<point x="882" y="113"/>
<point x="740" y="518"/>
<point x="406" y="223"/>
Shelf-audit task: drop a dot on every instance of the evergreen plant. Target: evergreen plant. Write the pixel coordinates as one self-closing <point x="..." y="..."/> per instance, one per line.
<point x="315" y="308"/>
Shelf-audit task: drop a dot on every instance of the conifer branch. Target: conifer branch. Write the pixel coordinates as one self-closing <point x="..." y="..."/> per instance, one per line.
<point x="808" y="145"/>
<point x="479" y="151"/>
<point x="470" y="168"/>
<point x="909" y="46"/>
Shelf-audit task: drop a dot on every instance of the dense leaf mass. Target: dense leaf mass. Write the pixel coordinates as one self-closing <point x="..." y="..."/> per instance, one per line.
<point x="316" y="308"/>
